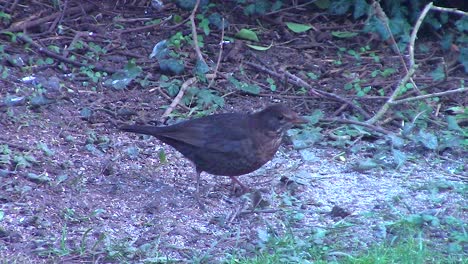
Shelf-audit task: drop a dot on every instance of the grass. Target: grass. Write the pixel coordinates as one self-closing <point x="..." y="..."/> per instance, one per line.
<point x="412" y="248"/>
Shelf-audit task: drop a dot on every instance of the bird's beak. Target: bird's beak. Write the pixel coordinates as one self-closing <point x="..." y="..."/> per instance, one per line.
<point x="297" y="120"/>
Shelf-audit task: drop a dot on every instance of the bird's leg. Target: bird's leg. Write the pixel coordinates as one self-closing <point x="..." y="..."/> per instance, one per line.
<point x="245" y="189"/>
<point x="197" y="194"/>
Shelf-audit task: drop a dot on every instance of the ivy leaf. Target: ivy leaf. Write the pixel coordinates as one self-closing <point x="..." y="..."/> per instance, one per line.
<point x="438" y="74"/>
<point x="452" y="124"/>
<point x="160" y="50"/>
<point x="122" y="79"/>
<point x="339" y="7"/>
<point x="360" y="8"/>
<point x="172" y="66"/>
<point x="314" y="117"/>
<point x="429" y="140"/>
<point x="399" y="157"/>
<point x="303" y="138"/>
<point x="365" y="165"/>
<point x="344" y="34"/>
<point x="298" y="28"/>
<point x="397" y="142"/>
<point x="260" y="48"/>
<point x="247" y="34"/>
<point x="47" y="151"/>
<point x="249" y="88"/>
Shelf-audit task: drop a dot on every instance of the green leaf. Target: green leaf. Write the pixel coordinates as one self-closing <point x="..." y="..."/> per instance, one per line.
<point x="462" y="24"/>
<point x="387" y="72"/>
<point x="47" y="151"/>
<point x="360" y="8"/>
<point x="399" y="157"/>
<point x="172" y="66"/>
<point x="249" y="88"/>
<point x="205" y="25"/>
<point x="54" y="48"/>
<point x="322" y="4"/>
<point x="272" y="84"/>
<point x="132" y="152"/>
<point x="376" y="26"/>
<point x="217" y="20"/>
<point x="314" y="117"/>
<point x="162" y="156"/>
<point x="122" y="79"/>
<point x="397" y="142"/>
<point x="247" y="34"/>
<point x="263" y="235"/>
<point x="298" y="28"/>
<point x="258" y="7"/>
<point x="344" y="34"/>
<point x="86" y="113"/>
<point x="160" y="50"/>
<point x="339" y="7"/>
<point x="453" y="124"/>
<point x="429" y="140"/>
<point x="40" y="100"/>
<point x="201" y="68"/>
<point x="207" y="97"/>
<point x="41" y="178"/>
<point x="303" y="138"/>
<point x="463" y="58"/>
<point x="438" y="74"/>
<point x="365" y="165"/>
<point x="259" y="48"/>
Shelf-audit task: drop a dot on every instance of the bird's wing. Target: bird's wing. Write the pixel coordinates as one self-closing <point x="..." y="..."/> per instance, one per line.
<point x="219" y="134"/>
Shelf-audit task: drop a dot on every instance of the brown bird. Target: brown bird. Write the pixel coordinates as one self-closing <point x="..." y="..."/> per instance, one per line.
<point x="227" y="144"/>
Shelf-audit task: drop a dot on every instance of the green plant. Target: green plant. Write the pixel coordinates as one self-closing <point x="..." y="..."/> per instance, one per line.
<point x="5" y="17"/>
<point x="245" y="87"/>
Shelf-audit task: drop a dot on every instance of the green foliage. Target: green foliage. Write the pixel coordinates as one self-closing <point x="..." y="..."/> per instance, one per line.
<point x="5" y="155"/>
<point x="94" y="76"/>
<point x="247" y="34"/>
<point x="47" y="151"/>
<point x="5" y="17"/>
<point x="24" y="161"/>
<point x="121" y="79"/>
<point x="260" y="7"/>
<point x="298" y="28"/>
<point x="344" y="34"/>
<point x="171" y="86"/>
<point x="310" y="134"/>
<point x="204" y="97"/>
<point x="245" y="87"/>
<point x="339" y="7"/>
<point x="272" y="84"/>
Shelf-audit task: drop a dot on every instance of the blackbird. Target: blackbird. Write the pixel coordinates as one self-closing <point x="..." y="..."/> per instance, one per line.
<point x="230" y="144"/>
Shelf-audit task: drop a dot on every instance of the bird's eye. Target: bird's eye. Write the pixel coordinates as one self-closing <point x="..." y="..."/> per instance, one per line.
<point x="280" y="117"/>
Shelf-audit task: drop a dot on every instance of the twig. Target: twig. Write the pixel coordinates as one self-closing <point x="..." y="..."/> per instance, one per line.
<point x="194" y="33"/>
<point x="299" y="82"/>
<point x="59" y="19"/>
<point x="348" y="121"/>
<point x="13" y="145"/>
<point x="145" y="28"/>
<point x="459" y="90"/>
<point x="384" y="18"/>
<point x="54" y="55"/>
<point x="218" y="62"/>
<point x="410" y="71"/>
<point x="450" y="10"/>
<point x="177" y="99"/>
<point x="23" y="25"/>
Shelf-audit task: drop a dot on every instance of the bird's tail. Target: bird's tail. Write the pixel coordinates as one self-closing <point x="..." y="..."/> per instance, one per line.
<point x="147" y="130"/>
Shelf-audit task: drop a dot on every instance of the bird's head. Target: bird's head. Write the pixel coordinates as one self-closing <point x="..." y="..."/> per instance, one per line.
<point x="278" y="118"/>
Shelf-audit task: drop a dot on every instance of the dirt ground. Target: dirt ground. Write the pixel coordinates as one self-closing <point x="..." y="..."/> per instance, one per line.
<point x="72" y="188"/>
